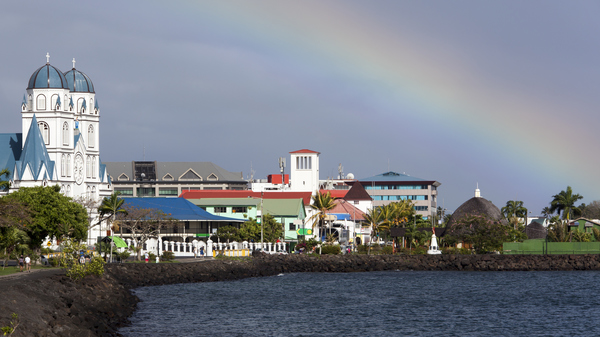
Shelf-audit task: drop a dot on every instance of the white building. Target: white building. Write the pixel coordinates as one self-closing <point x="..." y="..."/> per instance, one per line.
<point x="59" y="141"/>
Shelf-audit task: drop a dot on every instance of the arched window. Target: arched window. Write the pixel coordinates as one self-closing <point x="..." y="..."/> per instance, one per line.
<point x="65" y="103"/>
<point x="94" y="167"/>
<point x="41" y="102"/>
<point x="53" y="100"/>
<point x="80" y="105"/>
<point x="45" y="130"/>
<point x="65" y="133"/>
<point x="91" y="136"/>
<point x="88" y="167"/>
<point x="68" y="165"/>
<point x="68" y="190"/>
<point x="94" y="192"/>
<point x="63" y="167"/>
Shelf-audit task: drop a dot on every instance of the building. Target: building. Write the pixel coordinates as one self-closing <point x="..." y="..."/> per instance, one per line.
<point x="170" y="179"/>
<point x="391" y="187"/>
<point x="59" y="140"/>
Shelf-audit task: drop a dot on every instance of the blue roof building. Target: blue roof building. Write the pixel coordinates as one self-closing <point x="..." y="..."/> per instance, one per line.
<point x="391" y="187"/>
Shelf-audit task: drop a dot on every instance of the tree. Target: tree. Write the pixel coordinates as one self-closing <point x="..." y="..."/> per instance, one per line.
<point x="565" y="202"/>
<point x="483" y="233"/>
<point x="546" y="212"/>
<point x="4" y="184"/>
<point x="91" y="205"/>
<point x="374" y="218"/>
<point x="592" y="211"/>
<point x="109" y="209"/>
<point x="514" y="209"/>
<point x="12" y="239"/>
<point x="53" y="214"/>
<point x="143" y="223"/>
<point x="227" y="234"/>
<point x="321" y="203"/>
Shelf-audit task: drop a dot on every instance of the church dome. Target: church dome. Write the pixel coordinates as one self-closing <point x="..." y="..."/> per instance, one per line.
<point x="78" y="81"/>
<point x="476" y="206"/>
<point x="47" y="76"/>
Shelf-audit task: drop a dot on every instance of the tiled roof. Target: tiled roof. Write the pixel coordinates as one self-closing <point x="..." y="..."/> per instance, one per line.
<point x="178" y="208"/>
<point x="305" y="151"/>
<point x="357" y="192"/>
<point x="10" y="151"/>
<point x="344" y="207"/>
<point x="338" y="194"/>
<point x="200" y="194"/>
<point x="34" y="155"/>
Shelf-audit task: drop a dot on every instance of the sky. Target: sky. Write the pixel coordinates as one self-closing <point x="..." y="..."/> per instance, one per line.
<point x="501" y="95"/>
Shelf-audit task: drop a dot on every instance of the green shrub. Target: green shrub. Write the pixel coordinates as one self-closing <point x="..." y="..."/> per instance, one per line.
<point x="419" y="251"/>
<point x="331" y="249"/>
<point x="70" y="260"/>
<point x="387" y="250"/>
<point x="167" y="256"/>
<point x="124" y="255"/>
<point x="151" y="257"/>
<point x="362" y="249"/>
<point x="53" y="261"/>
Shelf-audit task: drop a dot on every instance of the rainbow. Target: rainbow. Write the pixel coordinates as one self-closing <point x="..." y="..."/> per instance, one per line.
<point x="397" y="77"/>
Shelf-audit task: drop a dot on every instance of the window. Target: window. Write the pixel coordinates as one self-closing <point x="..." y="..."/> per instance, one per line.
<point x="94" y="167"/>
<point x="81" y="105"/>
<point x="292" y="227"/>
<point x="220" y="209"/>
<point x="41" y="102"/>
<point x="63" y="167"/>
<point x="167" y="191"/>
<point x="45" y="130"/>
<point x="145" y="192"/>
<point x="123" y="177"/>
<point x="239" y="209"/>
<point x="53" y="101"/>
<point x="65" y="133"/>
<point x="168" y="177"/>
<point x="69" y="166"/>
<point x="420" y="208"/>
<point x="91" y="137"/>
<point x="304" y="163"/>
<point x="88" y="167"/>
<point x="124" y="191"/>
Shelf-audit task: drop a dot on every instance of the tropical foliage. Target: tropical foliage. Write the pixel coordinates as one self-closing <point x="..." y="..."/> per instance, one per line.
<point x="52" y="214"/>
<point x="565" y="202"/>
<point x="4" y="184"/>
<point x="250" y="231"/>
<point x="142" y="223"/>
<point x="482" y="233"/>
<point x="321" y="203"/>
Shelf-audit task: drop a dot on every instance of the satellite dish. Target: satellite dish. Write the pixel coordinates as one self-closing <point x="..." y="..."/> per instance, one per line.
<point x="350" y="176"/>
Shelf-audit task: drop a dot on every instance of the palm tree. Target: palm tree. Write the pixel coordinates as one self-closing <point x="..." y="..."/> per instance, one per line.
<point x="546" y="212"/>
<point x="109" y="208"/>
<point x="321" y="203"/>
<point x="374" y="217"/>
<point x="514" y="209"/>
<point x="4" y="184"/>
<point x="565" y="202"/>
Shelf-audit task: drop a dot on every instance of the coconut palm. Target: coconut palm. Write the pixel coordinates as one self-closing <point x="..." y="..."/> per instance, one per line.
<point x="374" y="217"/>
<point x="321" y="203"/>
<point x="565" y="202"/>
<point x="514" y="209"/>
<point x="109" y="208"/>
<point x="4" y="184"/>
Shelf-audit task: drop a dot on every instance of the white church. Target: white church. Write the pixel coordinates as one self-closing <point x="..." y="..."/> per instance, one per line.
<point x="59" y="141"/>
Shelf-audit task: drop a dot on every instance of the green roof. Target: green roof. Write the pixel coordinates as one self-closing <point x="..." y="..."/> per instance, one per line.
<point x="284" y="207"/>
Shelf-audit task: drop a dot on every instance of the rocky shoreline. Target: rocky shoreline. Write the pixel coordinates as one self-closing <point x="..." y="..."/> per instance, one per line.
<point x="53" y="305"/>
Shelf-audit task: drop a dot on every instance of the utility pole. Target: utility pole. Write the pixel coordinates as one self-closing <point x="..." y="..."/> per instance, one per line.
<point x="262" y="247"/>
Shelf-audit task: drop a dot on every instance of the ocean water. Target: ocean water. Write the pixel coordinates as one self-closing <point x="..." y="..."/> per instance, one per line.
<point x="394" y="303"/>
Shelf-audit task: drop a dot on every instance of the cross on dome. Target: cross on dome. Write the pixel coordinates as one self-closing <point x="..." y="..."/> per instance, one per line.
<point x="73" y="63"/>
<point x="47" y="58"/>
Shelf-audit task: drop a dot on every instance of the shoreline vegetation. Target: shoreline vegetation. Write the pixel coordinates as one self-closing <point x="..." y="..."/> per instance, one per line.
<point x="48" y="303"/>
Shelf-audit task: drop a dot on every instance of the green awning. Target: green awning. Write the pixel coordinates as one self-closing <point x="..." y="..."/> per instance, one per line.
<point x="202" y="235"/>
<point x="120" y="243"/>
<point x="304" y="231"/>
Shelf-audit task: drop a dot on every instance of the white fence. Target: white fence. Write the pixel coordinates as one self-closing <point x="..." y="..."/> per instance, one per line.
<point x="208" y="248"/>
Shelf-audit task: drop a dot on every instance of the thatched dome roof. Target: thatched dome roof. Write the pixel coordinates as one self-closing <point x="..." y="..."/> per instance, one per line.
<point x="476" y="206"/>
<point x="535" y="230"/>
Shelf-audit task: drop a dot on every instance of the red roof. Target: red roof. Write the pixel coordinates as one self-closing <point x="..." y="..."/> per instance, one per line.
<point x="344" y="207"/>
<point x="338" y="194"/>
<point x="305" y="151"/>
<point x="204" y="194"/>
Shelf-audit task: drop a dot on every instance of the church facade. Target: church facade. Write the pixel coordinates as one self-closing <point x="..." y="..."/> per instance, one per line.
<point x="59" y="141"/>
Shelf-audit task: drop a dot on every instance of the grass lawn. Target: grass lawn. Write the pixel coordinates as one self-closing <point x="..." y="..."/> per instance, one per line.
<point x="13" y="269"/>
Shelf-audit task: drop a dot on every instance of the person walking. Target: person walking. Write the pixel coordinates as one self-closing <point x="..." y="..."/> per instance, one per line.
<point x="195" y="253"/>
<point x="28" y="264"/>
<point x="146" y="256"/>
<point x="21" y="263"/>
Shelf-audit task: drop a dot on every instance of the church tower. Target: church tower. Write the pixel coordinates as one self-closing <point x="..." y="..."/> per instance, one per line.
<point x="67" y="114"/>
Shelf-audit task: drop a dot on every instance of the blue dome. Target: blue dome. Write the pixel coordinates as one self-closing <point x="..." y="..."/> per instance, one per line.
<point x="78" y="81"/>
<point x="47" y="76"/>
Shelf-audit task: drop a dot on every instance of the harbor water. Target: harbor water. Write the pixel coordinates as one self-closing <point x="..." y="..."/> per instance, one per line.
<point x="394" y="303"/>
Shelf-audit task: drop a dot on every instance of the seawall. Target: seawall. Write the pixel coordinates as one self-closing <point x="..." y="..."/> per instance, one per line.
<point x="53" y="305"/>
